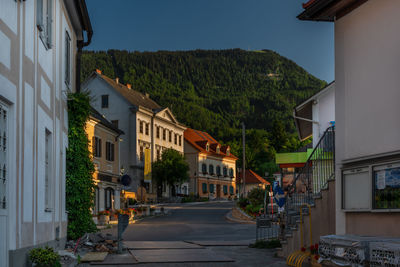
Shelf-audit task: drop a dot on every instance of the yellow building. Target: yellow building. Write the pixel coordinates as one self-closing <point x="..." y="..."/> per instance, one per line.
<point x="104" y="146"/>
<point x="212" y="166"/>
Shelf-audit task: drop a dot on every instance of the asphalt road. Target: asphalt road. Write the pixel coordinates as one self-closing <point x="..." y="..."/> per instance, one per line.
<point x="204" y="221"/>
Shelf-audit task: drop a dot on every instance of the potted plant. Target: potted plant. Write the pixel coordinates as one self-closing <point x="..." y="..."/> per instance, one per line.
<point x="44" y="257"/>
<point x="123" y="215"/>
<point x="104" y="217"/>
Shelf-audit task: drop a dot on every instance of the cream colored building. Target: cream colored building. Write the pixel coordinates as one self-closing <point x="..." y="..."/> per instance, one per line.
<point x="39" y="44"/>
<point x="146" y="126"/>
<point x="104" y="145"/>
<point x="212" y="166"/>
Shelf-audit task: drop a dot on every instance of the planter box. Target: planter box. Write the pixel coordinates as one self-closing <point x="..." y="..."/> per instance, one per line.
<point x="103" y="219"/>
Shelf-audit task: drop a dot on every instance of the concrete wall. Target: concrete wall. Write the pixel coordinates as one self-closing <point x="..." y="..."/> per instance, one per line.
<point x="32" y="86"/>
<point x="367" y="93"/>
<point x="324" y="208"/>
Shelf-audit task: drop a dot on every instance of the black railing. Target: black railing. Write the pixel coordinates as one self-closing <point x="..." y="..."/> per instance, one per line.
<point x="314" y="176"/>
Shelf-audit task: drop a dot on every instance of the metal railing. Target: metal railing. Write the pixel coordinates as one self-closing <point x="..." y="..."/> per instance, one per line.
<point x="312" y="178"/>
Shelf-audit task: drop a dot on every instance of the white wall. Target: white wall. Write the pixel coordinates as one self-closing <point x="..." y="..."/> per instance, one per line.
<point x="323" y="112"/>
<point x="367" y="86"/>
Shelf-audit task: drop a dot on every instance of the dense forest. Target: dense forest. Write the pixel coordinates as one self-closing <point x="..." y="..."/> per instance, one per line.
<point x="216" y="90"/>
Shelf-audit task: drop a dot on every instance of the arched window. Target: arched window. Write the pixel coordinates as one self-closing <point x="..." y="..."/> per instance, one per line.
<point x="211" y="169"/>
<point x="218" y="169"/>
<point x="231" y="172"/>
<point x="204" y="168"/>
<point x="225" y="171"/>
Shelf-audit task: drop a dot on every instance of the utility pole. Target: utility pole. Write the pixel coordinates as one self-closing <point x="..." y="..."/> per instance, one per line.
<point x="244" y="159"/>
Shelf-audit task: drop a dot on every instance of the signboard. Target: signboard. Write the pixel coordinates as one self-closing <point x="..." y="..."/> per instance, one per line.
<point x="147" y="166"/>
<point x="279" y="197"/>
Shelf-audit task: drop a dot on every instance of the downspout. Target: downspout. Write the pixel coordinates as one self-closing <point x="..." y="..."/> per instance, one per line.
<point x="84" y="16"/>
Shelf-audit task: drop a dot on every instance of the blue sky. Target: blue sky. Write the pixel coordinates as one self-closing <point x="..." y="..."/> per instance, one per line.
<point x="152" y="25"/>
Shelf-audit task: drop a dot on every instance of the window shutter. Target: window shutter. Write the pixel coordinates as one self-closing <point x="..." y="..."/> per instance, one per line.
<point x="204" y="187"/>
<point x="94" y="146"/>
<point x="39" y="14"/>
<point x="112" y="152"/>
<point x="49" y="21"/>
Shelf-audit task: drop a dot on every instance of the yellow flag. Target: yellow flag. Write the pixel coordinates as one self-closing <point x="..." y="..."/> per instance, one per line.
<point x="147" y="165"/>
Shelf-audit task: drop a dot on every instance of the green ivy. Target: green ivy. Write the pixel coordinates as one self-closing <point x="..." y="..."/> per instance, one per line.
<point x="80" y="168"/>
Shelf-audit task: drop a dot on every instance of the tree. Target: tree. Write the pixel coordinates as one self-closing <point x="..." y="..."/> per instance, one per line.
<point x="171" y="169"/>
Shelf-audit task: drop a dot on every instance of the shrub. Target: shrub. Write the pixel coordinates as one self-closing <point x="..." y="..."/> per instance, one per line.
<point x="256" y="196"/>
<point x="243" y="202"/>
<point x="44" y="257"/>
<point x="80" y="168"/>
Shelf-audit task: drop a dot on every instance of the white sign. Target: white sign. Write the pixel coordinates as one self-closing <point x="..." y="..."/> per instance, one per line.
<point x="381" y="180"/>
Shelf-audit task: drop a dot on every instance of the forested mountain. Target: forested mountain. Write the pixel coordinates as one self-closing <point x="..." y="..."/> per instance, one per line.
<point x="215" y="90"/>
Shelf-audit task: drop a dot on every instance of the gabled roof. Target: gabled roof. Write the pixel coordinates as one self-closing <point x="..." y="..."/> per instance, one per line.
<point x="199" y="141"/>
<point x="251" y="178"/>
<point x="95" y="115"/>
<point x="134" y="97"/>
<point x="328" y="10"/>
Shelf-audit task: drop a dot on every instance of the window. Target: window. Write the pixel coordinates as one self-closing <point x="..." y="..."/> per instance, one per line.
<point x="164" y="134"/>
<point x="204" y="168"/>
<point x="104" y="101"/>
<point x="115" y="123"/>
<point x="218" y="169"/>
<point x="47" y="170"/>
<point x="218" y="149"/>
<point x="96" y="147"/>
<point x="158" y="132"/>
<point x="225" y="189"/>
<point x="67" y="59"/>
<point x="141" y="155"/>
<point x="3" y="155"/>
<point x="211" y="169"/>
<point x="356" y="199"/>
<point x="158" y="154"/>
<point x="204" y="187"/>
<point x="211" y="188"/>
<point x="231" y="172"/>
<point x="109" y="151"/>
<point x="207" y="147"/>
<point x="141" y="126"/>
<point x="176" y="139"/>
<point x="109" y="198"/>
<point x="170" y="136"/>
<point x="95" y="210"/>
<point x="147" y="128"/>
<point x="44" y="20"/>
<point x="180" y="140"/>
<point x="225" y="170"/>
<point x="231" y="190"/>
<point x="386" y="189"/>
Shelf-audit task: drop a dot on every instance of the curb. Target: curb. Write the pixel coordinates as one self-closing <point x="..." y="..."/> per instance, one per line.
<point x="229" y="217"/>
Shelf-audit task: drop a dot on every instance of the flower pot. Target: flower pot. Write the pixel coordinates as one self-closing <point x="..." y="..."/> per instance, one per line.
<point x="104" y="219"/>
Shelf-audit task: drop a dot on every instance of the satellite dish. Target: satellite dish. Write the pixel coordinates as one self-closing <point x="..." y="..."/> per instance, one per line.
<point x="126" y="180"/>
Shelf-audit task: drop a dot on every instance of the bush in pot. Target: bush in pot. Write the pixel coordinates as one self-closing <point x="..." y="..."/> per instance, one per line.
<point x="44" y="257"/>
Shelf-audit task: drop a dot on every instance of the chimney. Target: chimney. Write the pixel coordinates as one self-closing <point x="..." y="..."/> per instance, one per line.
<point x="147" y="95"/>
<point x="129" y="85"/>
<point x="98" y="71"/>
<point x="117" y="80"/>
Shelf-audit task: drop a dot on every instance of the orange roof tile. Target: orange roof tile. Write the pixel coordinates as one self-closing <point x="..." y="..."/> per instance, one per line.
<point x="199" y="140"/>
<point x="252" y="178"/>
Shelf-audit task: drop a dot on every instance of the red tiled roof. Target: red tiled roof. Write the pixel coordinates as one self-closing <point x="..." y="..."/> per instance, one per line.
<point x="309" y="3"/>
<point x="199" y="140"/>
<point x="251" y="178"/>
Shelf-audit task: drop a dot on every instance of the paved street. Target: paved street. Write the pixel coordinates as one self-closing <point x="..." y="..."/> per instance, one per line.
<point x="208" y="235"/>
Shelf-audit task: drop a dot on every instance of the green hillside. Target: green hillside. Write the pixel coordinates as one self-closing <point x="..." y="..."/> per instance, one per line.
<point x="215" y="90"/>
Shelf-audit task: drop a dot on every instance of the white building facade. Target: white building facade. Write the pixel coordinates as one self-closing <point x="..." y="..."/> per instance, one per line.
<point x="38" y="55"/>
<point x="146" y="126"/>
